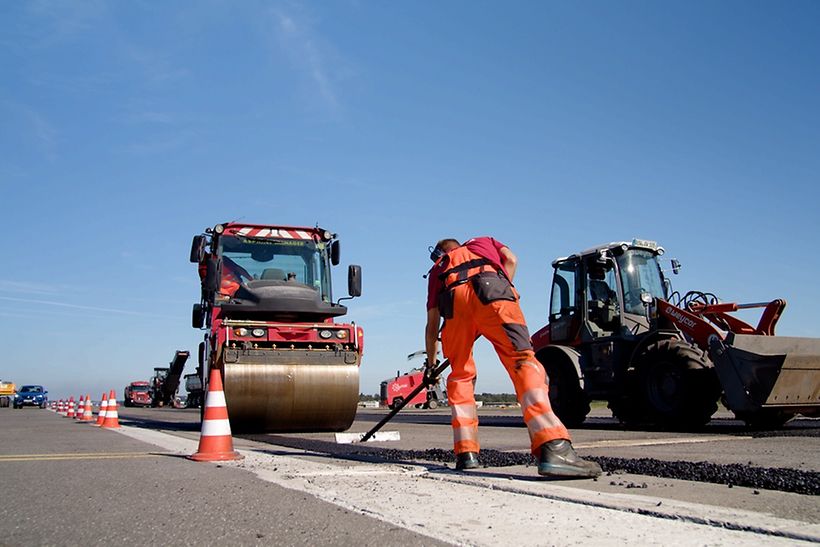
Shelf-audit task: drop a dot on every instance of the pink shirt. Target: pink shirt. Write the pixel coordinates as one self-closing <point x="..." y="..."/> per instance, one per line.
<point x="485" y="247"/>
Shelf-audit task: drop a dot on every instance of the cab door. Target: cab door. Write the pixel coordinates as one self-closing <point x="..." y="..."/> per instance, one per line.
<point x="565" y="312"/>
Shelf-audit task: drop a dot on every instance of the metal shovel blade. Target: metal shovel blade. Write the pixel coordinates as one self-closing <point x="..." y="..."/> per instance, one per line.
<point x="350" y="438"/>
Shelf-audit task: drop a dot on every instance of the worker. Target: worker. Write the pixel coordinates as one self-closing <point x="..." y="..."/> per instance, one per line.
<point x="232" y="275"/>
<point x="470" y="287"/>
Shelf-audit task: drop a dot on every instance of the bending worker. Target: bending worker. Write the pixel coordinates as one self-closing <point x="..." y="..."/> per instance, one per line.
<point x="470" y="287"/>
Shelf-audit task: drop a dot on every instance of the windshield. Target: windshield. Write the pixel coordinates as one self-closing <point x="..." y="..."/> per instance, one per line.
<point x="640" y="272"/>
<point x="139" y="388"/>
<point x="294" y="260"/>
<point x="32" y="389"/>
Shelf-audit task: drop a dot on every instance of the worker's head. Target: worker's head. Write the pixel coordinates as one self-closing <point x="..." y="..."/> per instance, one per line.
<point x="442" y="247"/>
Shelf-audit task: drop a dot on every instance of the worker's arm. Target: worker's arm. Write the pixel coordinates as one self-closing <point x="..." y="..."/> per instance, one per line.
<point x="431" y="334"/>
<point x="510" y="261"/>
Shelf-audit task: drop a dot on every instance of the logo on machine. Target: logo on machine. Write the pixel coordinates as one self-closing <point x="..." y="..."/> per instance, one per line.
<point x="680" y="317"/>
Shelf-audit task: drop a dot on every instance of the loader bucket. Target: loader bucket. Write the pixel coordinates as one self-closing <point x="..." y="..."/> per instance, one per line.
<point x="768" y="372"/>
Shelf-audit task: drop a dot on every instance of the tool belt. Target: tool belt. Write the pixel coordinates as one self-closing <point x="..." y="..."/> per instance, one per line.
<point x="489" y="286"/>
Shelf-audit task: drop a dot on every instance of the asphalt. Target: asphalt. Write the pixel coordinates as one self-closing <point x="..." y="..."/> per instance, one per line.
<point x="73" y="484"/>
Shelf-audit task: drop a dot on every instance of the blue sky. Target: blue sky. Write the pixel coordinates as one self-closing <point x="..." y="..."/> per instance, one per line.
<point x="128" y="127"/>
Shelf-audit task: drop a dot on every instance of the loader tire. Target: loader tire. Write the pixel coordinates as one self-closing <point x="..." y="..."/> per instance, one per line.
<point x="679" y="384"/>
<point x="567" y="399"/>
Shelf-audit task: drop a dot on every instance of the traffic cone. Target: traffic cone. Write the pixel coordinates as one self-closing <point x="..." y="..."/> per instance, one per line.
<point x="103" y="409"/>
<point x="79" y="414"/>
<point x="88" y="413"/>
<point x="60" y="409"/>
<point x="112" y="419"/>
<point x="70" y="410"/>
<point x="215" y="441"/>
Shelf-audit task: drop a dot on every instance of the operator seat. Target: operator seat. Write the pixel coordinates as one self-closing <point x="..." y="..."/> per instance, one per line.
<point x="273" y="273"/>
<point x="602" y="307"/>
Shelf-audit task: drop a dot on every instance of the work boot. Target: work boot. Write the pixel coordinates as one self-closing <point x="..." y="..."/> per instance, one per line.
<point x="466" y="460"/>
<point x="558" y="459"/>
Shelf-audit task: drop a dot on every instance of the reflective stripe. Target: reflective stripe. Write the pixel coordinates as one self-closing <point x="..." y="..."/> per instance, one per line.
<point x="215" y="398"/>
<point x="535" y="396"/>
<point x="465" y="412"/>
<point x="212" y="428"/>
<point x="465" y="434"/>
<point x="543" y="421"/>
<point x="274" y="232"/>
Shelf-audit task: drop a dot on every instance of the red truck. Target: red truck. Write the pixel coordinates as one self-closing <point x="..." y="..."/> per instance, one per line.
<point x="137" y="394"/>
<point x="395" y="390"/>
<point x="271" y="327"/>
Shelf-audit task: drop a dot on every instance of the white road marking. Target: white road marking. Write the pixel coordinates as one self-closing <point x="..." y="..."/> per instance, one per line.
<point x="653" y="442"/>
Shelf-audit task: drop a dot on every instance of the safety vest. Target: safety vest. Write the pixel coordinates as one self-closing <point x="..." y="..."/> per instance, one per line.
<point x="460" y="265"/>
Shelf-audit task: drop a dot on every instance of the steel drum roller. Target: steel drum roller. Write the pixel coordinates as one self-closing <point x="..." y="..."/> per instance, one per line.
<point x="291" y="397"/>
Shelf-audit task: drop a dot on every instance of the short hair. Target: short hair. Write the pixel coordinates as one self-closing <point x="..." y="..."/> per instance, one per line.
<point x="450" y="242"/>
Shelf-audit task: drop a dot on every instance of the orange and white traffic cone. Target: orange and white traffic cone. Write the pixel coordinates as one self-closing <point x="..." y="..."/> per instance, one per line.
<point x="112" y="419"/>
<point x="215" y="441"/>
<point x="88" y="413"/>
<point x="103" y="409"/>
<point x="79" y="414"/>
<point x="60" y="409"/>
<point x="70" y="411"/>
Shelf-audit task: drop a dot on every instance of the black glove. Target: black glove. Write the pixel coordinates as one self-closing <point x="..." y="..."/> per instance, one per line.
<point x="430" y="370"/>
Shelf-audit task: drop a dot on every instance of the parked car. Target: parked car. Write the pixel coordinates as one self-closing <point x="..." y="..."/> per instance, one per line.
<point x="31" y="395"/>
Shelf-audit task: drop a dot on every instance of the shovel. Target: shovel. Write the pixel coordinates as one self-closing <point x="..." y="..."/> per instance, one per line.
<point x="373" y="435"/>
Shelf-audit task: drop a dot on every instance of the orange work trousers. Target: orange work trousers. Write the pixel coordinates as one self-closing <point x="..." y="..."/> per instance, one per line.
<point x="502" y="323"/>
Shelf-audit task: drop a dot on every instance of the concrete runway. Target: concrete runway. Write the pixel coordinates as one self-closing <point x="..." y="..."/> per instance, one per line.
<point x="79" y="484"/>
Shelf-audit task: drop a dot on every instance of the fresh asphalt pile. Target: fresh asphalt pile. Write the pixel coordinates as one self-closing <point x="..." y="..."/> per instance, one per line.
<point x="767" y="478"/>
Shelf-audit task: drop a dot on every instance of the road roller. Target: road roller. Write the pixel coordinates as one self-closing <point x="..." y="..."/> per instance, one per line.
<point x="272" y="327"/>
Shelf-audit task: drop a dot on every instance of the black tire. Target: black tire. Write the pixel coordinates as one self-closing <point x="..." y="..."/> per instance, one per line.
<point x="678" y="383"/>
<point x="568" y="400"/>
<point x="396" y="403"/>
<point x="432" y="404"/>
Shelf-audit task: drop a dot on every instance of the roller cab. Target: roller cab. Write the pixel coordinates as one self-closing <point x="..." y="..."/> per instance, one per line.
<point x="273" y="327"/>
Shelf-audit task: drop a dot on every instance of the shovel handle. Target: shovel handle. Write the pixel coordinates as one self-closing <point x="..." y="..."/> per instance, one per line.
<point x="425" y="383"/>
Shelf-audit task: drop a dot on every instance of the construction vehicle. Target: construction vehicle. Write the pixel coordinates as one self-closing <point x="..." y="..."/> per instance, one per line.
<point x="268" y="310"/>
<point x="618" y="332"/>
<point x="394" y="391"/>
<point x="196" y="395"/>
<point x="137" y="394"/>
<point x="7" y="390"/>
<point x="165" y="382"/>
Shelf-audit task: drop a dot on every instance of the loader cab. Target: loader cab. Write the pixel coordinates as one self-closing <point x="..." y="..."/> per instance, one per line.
<point x="605" y="291"/>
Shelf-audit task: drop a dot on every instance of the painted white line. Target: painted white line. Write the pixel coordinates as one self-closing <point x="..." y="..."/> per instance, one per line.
<point x="656" y="442"/>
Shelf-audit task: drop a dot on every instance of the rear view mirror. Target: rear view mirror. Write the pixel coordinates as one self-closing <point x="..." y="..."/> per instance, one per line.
<point x="197" y="249"/>
<point x="335" y="253"/>
<point x="354" y="280"/>
<point x="675" y="266"/>
<point x="197" y="316"/>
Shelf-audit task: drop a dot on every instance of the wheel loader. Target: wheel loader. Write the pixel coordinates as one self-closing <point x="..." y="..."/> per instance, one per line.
<point x="618" y="332"/>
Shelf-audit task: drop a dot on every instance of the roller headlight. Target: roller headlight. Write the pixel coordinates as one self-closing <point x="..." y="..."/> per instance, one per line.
<point x="325" y="334"/>
<point x="240" y="331"/>
<point x="259" y="333"/>
<point x="341" y="334"/>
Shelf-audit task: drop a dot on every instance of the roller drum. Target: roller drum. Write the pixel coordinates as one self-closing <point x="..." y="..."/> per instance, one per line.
<point x="291" y="391"/>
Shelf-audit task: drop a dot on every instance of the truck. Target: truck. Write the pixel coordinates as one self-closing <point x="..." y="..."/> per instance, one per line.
<point x="7" y="390"/>
<point x="165" y="381"/>
<point x="137" y="394"/>
<point x="272" y="329"/>
<point x="394" y="391"/>
<point x="618" y="332"/>
<point x="193" y="386"/>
